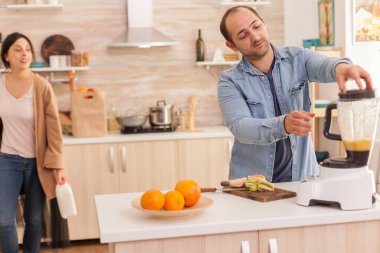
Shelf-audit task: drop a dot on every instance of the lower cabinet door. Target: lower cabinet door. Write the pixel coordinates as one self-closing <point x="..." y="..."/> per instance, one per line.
<point x="92" y="169"/>
<point x="205" y="160"/>
<point x="218" y="243"/>
<point x="342" y="238"/>
<point x="146" y="165"/>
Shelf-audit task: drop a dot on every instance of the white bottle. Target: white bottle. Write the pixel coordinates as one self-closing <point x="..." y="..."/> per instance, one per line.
<point x="65" y="199"/>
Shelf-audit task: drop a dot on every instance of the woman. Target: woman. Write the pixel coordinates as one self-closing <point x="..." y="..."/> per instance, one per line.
<point x="31" y="151"/>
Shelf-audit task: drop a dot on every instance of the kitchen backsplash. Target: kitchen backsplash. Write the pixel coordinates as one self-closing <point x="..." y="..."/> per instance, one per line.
<point x="136" y="78"/>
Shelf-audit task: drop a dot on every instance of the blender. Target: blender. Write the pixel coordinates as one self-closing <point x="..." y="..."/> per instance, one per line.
<point x="346" y="181"/>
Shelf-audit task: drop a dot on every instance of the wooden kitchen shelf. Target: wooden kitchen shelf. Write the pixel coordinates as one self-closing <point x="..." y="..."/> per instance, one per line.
<point x="250" y="3"/>
<point x="48" y="69"/>
<point x="207" y="64"/>
<point x="18" y="7"/>
<point x="52" y="79"/>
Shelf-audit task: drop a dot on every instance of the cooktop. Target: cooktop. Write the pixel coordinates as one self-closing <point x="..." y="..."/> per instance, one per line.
<point x="140" y="130"/>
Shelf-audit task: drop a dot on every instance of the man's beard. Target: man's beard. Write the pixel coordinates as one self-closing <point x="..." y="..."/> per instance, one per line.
<point x="257" y="55"/>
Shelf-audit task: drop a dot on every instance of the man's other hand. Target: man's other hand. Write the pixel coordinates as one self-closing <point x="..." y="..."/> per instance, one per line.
<point x="345" y="72"/>
<point x="298" y="123"/>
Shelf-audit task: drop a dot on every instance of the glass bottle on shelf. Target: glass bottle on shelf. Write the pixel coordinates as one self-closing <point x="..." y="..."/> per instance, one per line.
<point x="200" y="47"/>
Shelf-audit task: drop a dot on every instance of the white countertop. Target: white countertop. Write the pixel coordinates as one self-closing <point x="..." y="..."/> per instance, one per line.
<point x="119" y="221"/>
<point x="204" y="132"/>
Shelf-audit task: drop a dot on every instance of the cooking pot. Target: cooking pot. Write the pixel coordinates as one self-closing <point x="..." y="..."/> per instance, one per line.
<point x="161" y="115"/>
<point x="132" y="121"/>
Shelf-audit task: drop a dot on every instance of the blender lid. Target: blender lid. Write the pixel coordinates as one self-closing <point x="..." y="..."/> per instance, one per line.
<point x="356" y="94"/>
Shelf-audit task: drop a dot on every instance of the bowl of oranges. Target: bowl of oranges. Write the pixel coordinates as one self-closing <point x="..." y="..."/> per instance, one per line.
<point x="185" y="199"/>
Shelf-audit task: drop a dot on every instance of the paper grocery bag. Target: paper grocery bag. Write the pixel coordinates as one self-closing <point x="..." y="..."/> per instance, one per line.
<point x="89" y="114"/>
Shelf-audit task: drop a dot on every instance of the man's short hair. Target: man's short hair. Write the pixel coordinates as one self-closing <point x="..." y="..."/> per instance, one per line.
<point x="223" y="27"/>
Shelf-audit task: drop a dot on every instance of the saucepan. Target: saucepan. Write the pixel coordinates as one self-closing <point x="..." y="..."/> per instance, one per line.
<point x="132" y="121"/>
<point x="161" y="115"/>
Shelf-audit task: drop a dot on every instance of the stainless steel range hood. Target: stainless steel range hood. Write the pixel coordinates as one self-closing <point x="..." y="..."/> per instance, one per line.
<point x="140" y="32"/>
<point x="143" y="38"/>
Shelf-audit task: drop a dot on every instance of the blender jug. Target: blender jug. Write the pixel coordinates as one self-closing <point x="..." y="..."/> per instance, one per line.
<point x="357" y="122"/>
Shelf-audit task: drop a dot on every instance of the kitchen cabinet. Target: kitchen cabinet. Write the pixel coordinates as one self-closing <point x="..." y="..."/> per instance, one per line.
<point x="220" y="243"/>
<point x="146" y="165"/>
<point x="115" y="168"/>
<point x="92" y="169"/>
<point x="205" y="160"/>
<point x="345" y="237"/>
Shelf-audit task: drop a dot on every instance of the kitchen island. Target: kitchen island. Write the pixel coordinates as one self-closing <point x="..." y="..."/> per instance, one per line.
<point x="122" y="163"/>
<point x="230" y="220"/>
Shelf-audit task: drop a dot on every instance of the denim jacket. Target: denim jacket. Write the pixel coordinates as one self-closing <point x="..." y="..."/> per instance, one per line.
<point x="248" y="110"/>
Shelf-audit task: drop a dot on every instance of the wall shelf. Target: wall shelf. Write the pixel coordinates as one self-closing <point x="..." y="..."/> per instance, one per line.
<point x="18" y="7"/>
<point x="48" y="69"/>
<point x="51" y="77"/>
<point x="251" y="3"/>
<point x="216" y="63"/>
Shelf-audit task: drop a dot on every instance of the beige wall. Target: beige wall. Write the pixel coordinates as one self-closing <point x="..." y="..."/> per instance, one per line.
<point x="136" y="78"/>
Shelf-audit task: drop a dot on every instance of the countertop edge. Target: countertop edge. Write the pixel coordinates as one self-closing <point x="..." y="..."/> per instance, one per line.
<point x="200" y="133"/>
<point x="112" y="237"/>
<point x="292" y="215"/>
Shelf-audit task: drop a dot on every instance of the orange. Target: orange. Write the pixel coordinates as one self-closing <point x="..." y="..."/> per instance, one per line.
<point x="152" y="199"/>
<point x="174" y="201"/>
<point x="190" y="191"/>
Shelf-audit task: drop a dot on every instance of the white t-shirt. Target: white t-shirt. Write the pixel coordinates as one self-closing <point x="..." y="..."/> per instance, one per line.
<point x="17" y="115"/>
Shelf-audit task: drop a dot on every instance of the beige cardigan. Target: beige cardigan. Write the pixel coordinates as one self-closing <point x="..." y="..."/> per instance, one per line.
<point x="48" y="134"/>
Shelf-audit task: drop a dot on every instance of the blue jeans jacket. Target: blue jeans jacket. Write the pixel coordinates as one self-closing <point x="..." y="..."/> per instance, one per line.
<point x="247" y="106"/>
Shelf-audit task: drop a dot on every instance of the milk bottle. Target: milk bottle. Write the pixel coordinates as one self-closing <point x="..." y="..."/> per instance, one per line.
<point x="65" y="199"/>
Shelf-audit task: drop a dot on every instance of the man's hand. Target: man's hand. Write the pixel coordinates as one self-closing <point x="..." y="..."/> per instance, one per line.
<point x="345" y="72"/>
<point x="298" y="123"/>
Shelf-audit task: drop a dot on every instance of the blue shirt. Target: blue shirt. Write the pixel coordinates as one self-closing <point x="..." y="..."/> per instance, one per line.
<point x="246" y="102"/>
<point x="282" y="168"/>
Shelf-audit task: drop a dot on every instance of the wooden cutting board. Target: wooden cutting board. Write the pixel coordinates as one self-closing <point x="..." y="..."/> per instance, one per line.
<point x="265" y="196"/>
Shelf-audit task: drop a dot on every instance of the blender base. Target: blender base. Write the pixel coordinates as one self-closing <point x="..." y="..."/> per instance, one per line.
<point x="352" y="189"/>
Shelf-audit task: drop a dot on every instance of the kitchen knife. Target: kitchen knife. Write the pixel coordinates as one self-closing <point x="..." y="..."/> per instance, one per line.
<point x="220" y="189"/>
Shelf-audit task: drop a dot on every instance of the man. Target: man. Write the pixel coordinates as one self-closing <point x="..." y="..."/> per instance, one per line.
<point x="265" y="99"/>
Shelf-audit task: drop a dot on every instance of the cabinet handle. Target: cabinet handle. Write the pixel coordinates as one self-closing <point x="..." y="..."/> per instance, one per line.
<point x="273" y="248"/>
<point x="245" y="247"/>
<point x="112" y="160"/>
<point x="124" y="157"/>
